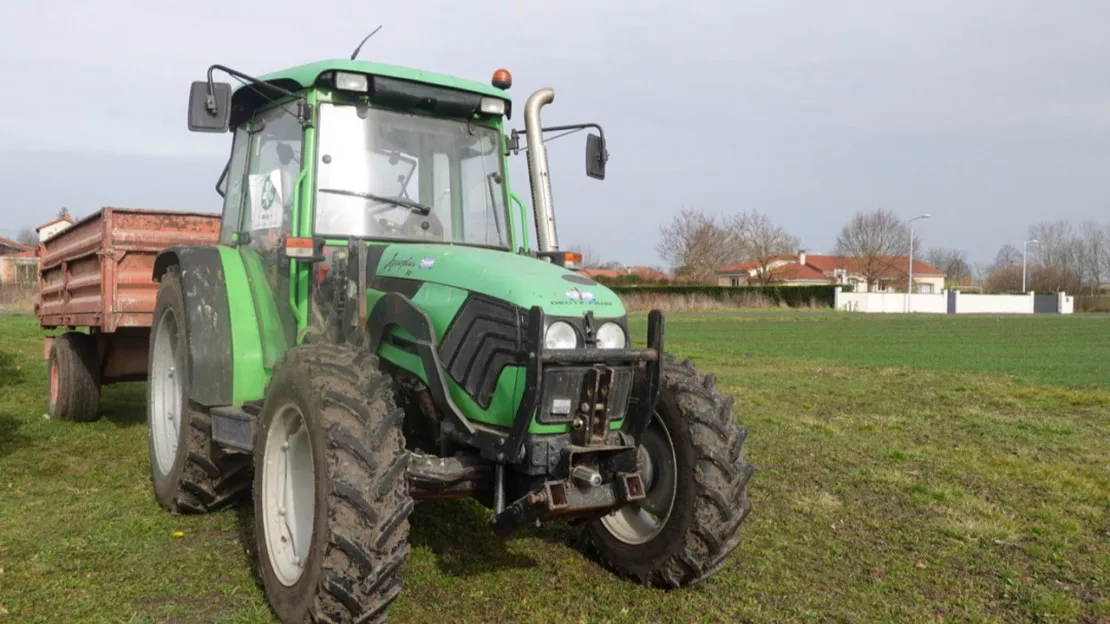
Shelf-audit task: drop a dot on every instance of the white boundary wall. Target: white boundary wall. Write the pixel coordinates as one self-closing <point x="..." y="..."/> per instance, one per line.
<point x="884" y="302"/>
<point x="946" y="302"/>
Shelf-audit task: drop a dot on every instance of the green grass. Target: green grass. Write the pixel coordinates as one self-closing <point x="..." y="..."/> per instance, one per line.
<point x="911" y="469"/>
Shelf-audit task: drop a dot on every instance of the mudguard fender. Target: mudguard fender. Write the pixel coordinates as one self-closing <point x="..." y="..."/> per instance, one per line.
<point x="207" y="321"/>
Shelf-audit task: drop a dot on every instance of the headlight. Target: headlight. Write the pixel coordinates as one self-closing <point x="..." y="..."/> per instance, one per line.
<point x="492" y="106"/>
<point x="347" y="81"/>
<point x="560" y="335"/>
<point x="610" y="336"/>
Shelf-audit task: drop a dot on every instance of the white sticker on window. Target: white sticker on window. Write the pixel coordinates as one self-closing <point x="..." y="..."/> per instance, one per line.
<point x="266" y="200"/>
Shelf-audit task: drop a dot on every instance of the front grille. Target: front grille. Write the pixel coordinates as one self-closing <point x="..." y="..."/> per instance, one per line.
<point x="484" y="337"/>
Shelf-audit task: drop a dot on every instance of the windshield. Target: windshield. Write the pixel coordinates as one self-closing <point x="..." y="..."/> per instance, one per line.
<point x="386" y="174"/>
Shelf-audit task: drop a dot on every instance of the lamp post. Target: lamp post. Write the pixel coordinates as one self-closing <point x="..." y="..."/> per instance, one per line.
<point x="909" y="283"/>
<point x="1024" y="251"/>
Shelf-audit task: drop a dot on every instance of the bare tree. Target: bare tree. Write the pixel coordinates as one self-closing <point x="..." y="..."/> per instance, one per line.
<point x="590" y="258"/>
<point x="1104" y="267"/>
<point x="1094" y="253"/>
<point x="696" y="243"/>
<point x="953" y="262"/>
<point x="875" y="238"/>
<point x="28" y="237"/>
<point x="1058" y="257"/>
<point x="763" y="240"/>
<point x="1007" y="256"/>
<point x="1004" y="274"/>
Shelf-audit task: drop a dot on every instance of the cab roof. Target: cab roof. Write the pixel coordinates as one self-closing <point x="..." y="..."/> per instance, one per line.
<point x="304" y="76"/>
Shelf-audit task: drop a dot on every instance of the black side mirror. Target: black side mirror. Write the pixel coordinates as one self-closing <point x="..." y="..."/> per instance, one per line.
<point x="209" y="113"/>
<point x="596" y="156"/>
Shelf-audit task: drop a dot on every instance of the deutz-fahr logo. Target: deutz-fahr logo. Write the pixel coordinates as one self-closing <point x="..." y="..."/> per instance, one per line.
<point x="579" y="296"/>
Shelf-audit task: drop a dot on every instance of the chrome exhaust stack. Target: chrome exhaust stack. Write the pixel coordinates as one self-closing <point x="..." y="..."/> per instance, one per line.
<point x="539" y="174"/>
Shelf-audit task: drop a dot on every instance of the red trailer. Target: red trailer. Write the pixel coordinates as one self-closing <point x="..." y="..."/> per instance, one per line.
<point x="95" y="280"/>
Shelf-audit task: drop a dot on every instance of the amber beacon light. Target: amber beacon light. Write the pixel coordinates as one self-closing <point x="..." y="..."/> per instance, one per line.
<point x="502" y="79"/>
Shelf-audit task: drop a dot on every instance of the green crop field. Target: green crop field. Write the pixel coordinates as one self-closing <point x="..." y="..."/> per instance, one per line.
<point x="911" y="468"/>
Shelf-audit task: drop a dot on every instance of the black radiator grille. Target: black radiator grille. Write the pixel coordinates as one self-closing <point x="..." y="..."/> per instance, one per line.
<point x="484" y="337"/>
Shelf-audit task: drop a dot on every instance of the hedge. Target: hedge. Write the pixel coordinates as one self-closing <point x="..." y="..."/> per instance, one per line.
<point x="792" y="296"/>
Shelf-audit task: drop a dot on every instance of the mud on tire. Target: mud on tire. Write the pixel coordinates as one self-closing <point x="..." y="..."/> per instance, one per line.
<point x="360" y="499"/>
<point x="192" y="476"/>
<point x="710" y="495"/>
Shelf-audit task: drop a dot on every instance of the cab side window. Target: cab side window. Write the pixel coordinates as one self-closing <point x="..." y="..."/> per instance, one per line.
<point x="273" y="170"/>
<point x="232" y="187"/>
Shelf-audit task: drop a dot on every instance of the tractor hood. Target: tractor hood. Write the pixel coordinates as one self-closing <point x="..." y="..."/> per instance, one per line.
<point x="521" y="280"/>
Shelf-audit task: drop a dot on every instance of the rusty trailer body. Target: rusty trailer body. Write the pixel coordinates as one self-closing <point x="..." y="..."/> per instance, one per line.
<point x="95" y="279"/>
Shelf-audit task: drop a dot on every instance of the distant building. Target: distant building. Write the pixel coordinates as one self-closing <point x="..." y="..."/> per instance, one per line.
<point x="804" y="269"/>
<point x="644" y="274"/>
<point x="47" y="230"/>
<point x="9" y="247"/>
<point x="18" y="264"/>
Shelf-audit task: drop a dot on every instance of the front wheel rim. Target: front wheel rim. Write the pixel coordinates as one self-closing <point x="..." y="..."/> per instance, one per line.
<point x="288" y="494"/>
<point x="165" y="393"/>
<point x="639" y="522"/>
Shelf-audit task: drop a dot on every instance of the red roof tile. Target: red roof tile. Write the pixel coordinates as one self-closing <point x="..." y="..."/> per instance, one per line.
<point x="893" y="266"/>
<point x="7" y="242"/>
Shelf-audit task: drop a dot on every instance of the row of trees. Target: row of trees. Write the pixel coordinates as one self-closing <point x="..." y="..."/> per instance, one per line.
<point x="1064" y="258"/>
<point x="696" y="243"/>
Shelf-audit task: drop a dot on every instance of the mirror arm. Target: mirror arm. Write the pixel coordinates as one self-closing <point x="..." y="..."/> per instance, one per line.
<point x="514" y="137"/>
<point x="210" y="100"/>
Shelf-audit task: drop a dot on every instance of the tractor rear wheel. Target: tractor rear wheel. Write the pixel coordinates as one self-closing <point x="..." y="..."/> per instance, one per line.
<point x="695" y="480"/>
<point x="73" y="375"/>
<point x="331" y="498"/>
<point x="189" y="474"/>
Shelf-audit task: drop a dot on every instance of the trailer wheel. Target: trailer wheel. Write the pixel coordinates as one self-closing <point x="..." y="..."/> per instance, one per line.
<point x="695" y="477"/>
<point x="331" y="498"/>
<point x="73" y="376"/>
<point x="189" y="474"/>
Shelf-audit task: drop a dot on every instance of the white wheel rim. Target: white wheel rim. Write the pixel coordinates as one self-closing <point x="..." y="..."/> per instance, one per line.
<point x="165" y="393"/>
<point x="288" y="494"/>
<point x="639" y="522"/>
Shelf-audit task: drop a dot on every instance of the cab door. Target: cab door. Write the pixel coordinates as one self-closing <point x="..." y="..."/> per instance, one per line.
<point x="273" y="163"/>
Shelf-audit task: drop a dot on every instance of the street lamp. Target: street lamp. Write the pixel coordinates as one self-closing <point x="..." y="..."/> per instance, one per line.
<point x="1024" y="251"/>
<point x="909" y="284"/>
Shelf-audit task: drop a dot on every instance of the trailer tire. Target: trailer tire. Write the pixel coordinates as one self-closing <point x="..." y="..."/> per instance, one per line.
<point x="331" y="497"/>
<point x="188" y="472"/>
<point x="707" y="485"/>
<point x="73" y="378"/>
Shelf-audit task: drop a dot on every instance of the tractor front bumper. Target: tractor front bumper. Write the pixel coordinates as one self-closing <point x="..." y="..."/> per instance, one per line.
<point x="595" y="469"/>
<point x="590" y="388"/>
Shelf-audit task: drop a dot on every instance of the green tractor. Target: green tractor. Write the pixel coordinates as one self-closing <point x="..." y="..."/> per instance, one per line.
<point x="375" y="328"/>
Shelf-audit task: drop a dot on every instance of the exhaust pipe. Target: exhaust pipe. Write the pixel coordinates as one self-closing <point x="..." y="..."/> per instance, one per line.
<point x="538" y="174"/>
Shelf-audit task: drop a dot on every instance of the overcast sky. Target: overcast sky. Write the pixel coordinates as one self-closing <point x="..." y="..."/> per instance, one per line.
<point x="991" y="114"/>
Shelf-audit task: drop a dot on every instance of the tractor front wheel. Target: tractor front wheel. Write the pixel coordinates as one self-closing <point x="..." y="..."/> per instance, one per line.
<point x="189" y="474"/>
<point x="695" y="479"/>
<point x="331" y="499"/>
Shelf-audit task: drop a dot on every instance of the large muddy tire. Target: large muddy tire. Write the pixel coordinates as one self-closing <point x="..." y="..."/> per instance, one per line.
<point x="331" y="498"/>
<point x="695" y="478"/>
<point x="73" y="378"/>
<point x="189" y="474"/>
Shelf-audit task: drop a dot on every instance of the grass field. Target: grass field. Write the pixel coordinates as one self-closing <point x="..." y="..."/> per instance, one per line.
<point x="910" y="469"/>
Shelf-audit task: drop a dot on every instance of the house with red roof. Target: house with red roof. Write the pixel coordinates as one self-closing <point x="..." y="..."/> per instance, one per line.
<point x="46" y="230"/>
<point x="645" y="274"/>
<point x="18" y="264"/>
<point x="9" y="247"/>
<point x="889" y="273"/>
